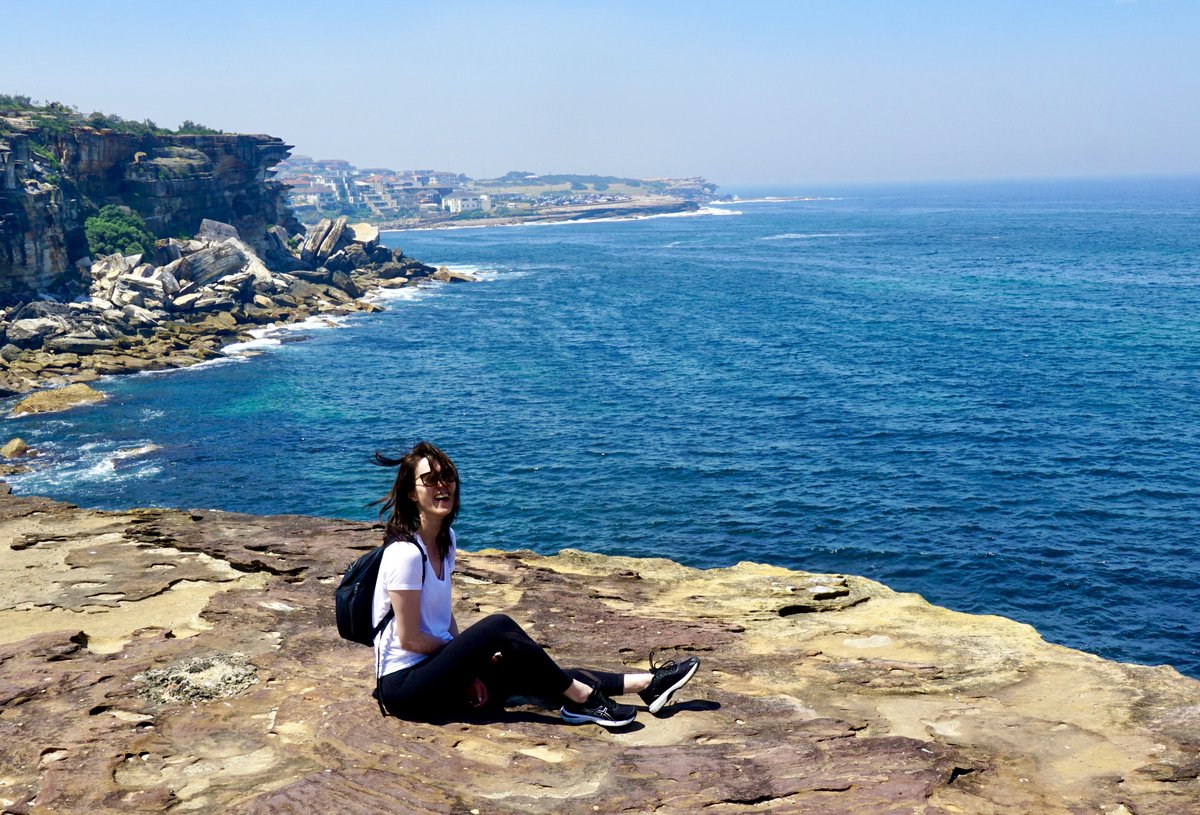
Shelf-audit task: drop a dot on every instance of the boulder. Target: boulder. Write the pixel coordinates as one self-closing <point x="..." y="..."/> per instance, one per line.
<point x="138" y="316"/>
<point x="390" y="270"/>
<point x="118" y="364"/>
<point x="342" y="281"/>
<point x="216" y="232"/>
<point x="381" y="254"/>
<point x="337" y="262"/>
<point x="170" y="284"/>
<point x="213" y="263"/>
<point x="52" y="401"/>
<point x="151" y="283"/>
<point x="210" y="300"/>
<point x="13" y="382"/>
<point x="168" y="251"/>
<point x="330" y="243"/>
<point x="364" y="234"/>
<point x="126" y="297"/>
<point x="321" y="275"/>
<point x="16" y="448"/>
<point x="33" y="332"/>
<point x="220" y="322"/>
<point x="41" y="308"/>
<point x="447" y="275"/>
<point x="82" y="344"/>
<point x="302" y="290"/>
<point x="313" y="240"/>
<point x="110" y="266"/>
<point x="185" y="302"/>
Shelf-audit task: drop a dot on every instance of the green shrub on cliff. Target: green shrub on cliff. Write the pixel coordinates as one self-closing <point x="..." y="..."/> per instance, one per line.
<point x="117" y="229"/>
<point x="190" y="128"/>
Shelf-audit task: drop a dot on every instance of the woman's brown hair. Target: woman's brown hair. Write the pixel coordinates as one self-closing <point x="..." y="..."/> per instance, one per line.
<point x="404" y="516"/>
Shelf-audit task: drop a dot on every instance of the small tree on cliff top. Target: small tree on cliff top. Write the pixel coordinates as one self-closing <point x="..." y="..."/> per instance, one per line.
<point x="117" y="229"/>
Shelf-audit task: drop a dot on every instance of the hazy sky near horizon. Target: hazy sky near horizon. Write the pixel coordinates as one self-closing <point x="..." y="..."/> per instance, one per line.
<point x="752" y="93"/>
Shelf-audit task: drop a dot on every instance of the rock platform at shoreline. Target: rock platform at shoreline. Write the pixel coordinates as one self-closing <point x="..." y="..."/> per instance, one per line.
<point x="155" y="660"/>
<point x="191" y="299"/>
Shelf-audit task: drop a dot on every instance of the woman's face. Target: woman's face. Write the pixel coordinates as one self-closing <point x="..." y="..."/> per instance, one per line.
<point x="433" y="494"/>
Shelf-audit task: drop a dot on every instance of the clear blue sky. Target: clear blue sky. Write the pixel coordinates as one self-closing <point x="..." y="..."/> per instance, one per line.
<point x="796" y="92"/>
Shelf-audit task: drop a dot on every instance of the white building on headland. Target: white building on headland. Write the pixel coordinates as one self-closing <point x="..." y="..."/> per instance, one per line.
<point x="457" y="202"/>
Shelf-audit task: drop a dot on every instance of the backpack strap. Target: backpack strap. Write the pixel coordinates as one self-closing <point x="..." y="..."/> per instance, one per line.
<point x="391" y="612"/>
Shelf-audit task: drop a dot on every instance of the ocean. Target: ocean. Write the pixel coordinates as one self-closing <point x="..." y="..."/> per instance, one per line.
<point x="985" y="393"/>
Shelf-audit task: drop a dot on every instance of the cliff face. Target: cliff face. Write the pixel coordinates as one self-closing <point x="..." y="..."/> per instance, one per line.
<point x="50" y="182"/>
<point x="155" y="659"/>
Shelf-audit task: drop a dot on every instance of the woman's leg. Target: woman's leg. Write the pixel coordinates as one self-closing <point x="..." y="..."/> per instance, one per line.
<point x="437" y="687"/>
<point x="612" y="684"/>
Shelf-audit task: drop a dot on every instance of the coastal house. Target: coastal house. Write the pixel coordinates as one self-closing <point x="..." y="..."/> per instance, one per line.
<point x="458" y="202"/>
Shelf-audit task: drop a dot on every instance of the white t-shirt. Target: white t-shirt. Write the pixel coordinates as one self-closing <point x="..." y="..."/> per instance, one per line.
<point x="400" y="570"/>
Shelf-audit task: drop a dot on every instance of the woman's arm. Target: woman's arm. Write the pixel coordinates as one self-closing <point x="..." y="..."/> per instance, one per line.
<point x="407" y="606"/>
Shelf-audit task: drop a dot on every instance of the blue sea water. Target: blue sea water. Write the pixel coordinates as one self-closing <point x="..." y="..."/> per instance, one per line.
<point x="988" y="394"/>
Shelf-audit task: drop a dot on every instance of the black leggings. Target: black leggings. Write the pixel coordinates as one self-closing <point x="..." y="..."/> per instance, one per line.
<point x="436" y="689"/>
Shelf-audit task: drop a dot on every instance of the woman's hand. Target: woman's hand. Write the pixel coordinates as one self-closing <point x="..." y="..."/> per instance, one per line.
<point x="477" y="693"/>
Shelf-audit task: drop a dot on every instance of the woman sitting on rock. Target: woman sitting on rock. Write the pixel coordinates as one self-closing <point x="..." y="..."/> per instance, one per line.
<point x="428" y="669"/>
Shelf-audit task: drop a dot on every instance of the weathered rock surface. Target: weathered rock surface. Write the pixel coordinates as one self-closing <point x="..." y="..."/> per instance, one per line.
<point x="57" y="399"/>
<point x="156" y="660"/>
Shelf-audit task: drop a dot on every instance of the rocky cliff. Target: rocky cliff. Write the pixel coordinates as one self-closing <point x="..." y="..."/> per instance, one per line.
<point x="159" y="660"/>
<point x="53" y="175"/>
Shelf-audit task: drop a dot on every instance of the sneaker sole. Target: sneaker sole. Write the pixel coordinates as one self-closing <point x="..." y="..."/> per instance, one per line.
<point x="665" y="696"/>
<point x="578" y="718"/>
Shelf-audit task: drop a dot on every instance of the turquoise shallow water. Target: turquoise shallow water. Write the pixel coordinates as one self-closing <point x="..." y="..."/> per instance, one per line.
<point x="986" y="394"/>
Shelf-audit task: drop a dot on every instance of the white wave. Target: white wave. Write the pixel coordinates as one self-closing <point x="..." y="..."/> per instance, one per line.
<point x="702" y="211"/>
<point x="94" y="461"/>
<point x="239" y="348"/>
<point x="107" y="470"/>
<point x="208" y="363"/>
<point x="800" y="236"/>
<point x="419" y="291"/>
<point x="134" y="452"/>
<point x="777" y="199"/>
<point x="271" y="336"/>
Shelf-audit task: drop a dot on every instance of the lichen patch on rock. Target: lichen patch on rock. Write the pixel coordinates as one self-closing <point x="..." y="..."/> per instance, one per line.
<point x="198" y="679"/>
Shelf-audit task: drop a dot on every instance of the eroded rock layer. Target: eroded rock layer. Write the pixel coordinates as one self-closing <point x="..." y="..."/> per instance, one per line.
<point x="158" y="660"/>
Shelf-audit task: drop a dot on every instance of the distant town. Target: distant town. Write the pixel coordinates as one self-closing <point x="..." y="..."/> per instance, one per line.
<point x="405" y="199"/>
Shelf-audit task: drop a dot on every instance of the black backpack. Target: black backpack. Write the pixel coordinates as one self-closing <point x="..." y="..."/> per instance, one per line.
<point x="355" y="597"/>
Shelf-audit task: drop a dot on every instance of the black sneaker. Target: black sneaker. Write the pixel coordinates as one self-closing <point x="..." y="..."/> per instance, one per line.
<point x="598" y="709"/>
<point x="668" y="678"/>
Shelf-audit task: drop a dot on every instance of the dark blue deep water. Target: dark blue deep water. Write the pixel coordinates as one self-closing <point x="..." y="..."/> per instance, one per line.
<point x="988" y="394"/>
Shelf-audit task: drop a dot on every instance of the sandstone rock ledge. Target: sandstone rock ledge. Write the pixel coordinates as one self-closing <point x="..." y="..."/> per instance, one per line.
<point x="156" y="660"/>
